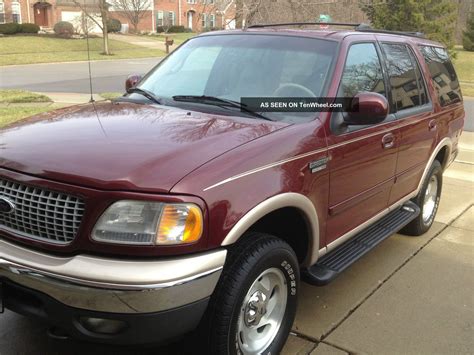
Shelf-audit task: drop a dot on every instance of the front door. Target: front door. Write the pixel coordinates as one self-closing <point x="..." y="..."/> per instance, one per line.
<point x="362" y="158"/>
<point x="41" y="15"/>
<point x="190" y="20"/>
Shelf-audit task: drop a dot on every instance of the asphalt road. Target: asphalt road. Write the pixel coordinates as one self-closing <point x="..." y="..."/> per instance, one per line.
<point x="107" y="75"/>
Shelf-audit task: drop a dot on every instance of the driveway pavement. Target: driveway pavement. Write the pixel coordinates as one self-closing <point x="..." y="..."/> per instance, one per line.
<point x="409" y="295"/>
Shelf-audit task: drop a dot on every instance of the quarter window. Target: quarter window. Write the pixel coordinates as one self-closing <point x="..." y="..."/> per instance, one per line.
<point x="407" y="86"/>
<point x="362" y="72"/>
<point x="443" y="74"/>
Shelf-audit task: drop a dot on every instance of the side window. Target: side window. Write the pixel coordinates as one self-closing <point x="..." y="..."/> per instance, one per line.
<point x="408" y="89"/>
<point x="443" y="74"/>
<point x="362" y="72"/>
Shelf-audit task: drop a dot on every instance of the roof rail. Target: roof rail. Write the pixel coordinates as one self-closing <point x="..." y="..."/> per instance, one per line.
<point x="360" y="27"/>
<point x="306" y="24"/>
<point x="400" y="33"/>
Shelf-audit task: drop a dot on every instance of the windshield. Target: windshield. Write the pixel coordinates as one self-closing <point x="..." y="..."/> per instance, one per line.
<point x="234" y="66"/>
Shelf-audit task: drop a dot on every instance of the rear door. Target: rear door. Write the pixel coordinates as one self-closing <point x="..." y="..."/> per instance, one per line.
<point x="362" y="158"/>
<point x="413" y="111"/>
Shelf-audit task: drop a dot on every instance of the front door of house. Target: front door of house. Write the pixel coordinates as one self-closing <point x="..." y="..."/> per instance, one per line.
<point x="41" y="15"/>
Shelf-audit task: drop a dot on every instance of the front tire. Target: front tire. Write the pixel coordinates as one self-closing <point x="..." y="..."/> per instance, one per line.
<point x="428" y="201"/>
<point x="254" y="305"/>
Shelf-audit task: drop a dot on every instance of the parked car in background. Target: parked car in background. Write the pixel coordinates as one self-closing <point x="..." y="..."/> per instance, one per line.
<point x="176" y="208"/>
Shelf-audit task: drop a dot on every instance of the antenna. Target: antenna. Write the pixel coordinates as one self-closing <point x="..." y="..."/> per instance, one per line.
<point x="88" y="54"/>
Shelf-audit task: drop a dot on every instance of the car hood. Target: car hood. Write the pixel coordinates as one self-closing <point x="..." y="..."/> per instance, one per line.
<point x="123" y="146"/>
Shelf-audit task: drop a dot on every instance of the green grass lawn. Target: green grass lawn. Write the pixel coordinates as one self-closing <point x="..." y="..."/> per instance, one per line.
<point x="12" y="114"/>
<point x="178" y="37"/>
<point x="21" y="96"/>
<point x="18" y="104"/>
<point x="464" y="64"/>
<point x="110" y="95"/>
<point x="36" y="49"/>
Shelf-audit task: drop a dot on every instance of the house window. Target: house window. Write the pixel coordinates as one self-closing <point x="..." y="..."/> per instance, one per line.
<point x="159" y="18"/>
<point x="16" y="12"/>
<point x="212" y="21"/>
<point x="171" y="18"/>
<point x="191" y="1"/>
<point x="2" y="12"/>
<point x="204" y="20"/>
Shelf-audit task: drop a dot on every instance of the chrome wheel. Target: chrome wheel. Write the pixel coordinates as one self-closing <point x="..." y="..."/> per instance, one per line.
<point x="429" y="202"/>
<point x="262" y="312"/>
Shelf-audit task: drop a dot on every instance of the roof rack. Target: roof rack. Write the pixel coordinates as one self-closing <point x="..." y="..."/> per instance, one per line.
<point x="401" y="33"/>
<point x="360" y="27"/>
<point x="355" y="25"/>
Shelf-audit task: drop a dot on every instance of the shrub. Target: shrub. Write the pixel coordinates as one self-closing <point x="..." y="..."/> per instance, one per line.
<point x="177" y="29"/>
<point x="160" y="29"/>
<point x="64" y="29"/>
<point x="468" y="35"/>
<point x="9" y="28"/>
<point x="29" y="28"/>
<point x="113" y="25"/>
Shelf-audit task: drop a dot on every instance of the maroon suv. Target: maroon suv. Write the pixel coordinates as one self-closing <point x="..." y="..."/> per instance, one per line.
<point x="177" y="207"/>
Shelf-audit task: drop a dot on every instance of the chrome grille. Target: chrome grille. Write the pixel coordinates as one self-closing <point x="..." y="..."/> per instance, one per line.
<point x="41" y="214"/>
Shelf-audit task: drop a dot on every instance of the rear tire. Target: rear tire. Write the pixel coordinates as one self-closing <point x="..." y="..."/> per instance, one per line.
<point x="428" y="201"/>
<point x="254" y="305"/>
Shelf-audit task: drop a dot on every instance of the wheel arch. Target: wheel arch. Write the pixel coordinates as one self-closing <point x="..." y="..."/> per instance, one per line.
<point x="442" y="151"/>
<point x="290" y="201"/>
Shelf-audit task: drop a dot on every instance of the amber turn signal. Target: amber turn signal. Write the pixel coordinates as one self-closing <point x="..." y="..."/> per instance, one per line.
<point x="179" y="224"/>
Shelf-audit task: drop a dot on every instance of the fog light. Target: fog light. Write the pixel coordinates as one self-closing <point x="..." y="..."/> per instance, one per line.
<point x="102" y="326"/>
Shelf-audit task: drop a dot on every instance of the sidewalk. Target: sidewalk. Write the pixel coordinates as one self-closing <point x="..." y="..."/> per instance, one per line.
<point x="409" y="295"/>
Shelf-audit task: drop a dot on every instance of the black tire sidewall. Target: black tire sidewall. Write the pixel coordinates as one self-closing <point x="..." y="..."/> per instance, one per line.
<point x="285" y="261"/>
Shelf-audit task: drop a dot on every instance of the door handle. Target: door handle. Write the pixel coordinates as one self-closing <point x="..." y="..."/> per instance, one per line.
<point x="432" y="125"/>
<point x="388" y="141"/>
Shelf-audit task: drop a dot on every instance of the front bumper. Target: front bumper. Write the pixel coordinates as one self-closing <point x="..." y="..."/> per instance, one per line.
<point x="109" y="288"/>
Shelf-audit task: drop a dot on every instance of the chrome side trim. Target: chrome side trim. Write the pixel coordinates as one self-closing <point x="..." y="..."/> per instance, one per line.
<point x="274" y="203"/>
<point x="112" y="273"/>
<point x="265" y="167"/>
<point x="333" y="245"/>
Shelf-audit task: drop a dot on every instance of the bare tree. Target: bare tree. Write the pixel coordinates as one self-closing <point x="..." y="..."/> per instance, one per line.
<point x="134" y="10"/>
<point x="103" y="8"/>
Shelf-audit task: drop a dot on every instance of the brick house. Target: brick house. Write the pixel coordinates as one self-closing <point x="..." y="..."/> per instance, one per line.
<point x="193" y="14"/>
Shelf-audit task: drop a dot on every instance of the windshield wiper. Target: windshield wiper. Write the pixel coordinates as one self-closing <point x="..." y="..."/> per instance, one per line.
<point x="217" y="101"/>
<point x="148" y="94"/>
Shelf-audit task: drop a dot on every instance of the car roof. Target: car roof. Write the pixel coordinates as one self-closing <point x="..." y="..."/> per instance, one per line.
<point x="329" y="34"/>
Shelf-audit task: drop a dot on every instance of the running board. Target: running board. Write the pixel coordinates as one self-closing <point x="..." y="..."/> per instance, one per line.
<point x="336" y="261"/>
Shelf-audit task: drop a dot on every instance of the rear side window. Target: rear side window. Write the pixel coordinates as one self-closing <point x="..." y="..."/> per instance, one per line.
<point x="408" y="88"/>
<point x="362" y="71"/>
<point x="443" y="74"/>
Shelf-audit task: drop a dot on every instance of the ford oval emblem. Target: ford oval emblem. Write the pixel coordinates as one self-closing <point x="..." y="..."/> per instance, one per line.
<point x="6" y="206"/>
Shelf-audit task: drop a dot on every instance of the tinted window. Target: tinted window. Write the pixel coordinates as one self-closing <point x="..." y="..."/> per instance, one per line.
<point x="362" y="71"/>
<point x="443" y="74"/>
<point x="406" y="82"/>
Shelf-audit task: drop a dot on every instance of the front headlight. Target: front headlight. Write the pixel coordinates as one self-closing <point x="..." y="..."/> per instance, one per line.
<point x="149" y="223"/>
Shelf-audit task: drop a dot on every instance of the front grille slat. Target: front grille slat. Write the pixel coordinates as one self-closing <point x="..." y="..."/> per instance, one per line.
<point x="41" y="214"/>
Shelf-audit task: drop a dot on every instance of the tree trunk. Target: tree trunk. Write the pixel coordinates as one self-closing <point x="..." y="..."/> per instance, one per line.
<point x="105" y="31"/>
<point x="239" y="13"/>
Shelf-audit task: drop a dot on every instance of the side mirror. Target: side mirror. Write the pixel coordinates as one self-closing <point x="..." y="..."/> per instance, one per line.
<point x="367" y="108"/>
<point x="132" y="81"/>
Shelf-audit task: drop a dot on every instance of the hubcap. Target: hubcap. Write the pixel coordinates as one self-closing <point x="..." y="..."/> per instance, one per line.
<point x="431" y="194"/>
<point x="262" y="312"/>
